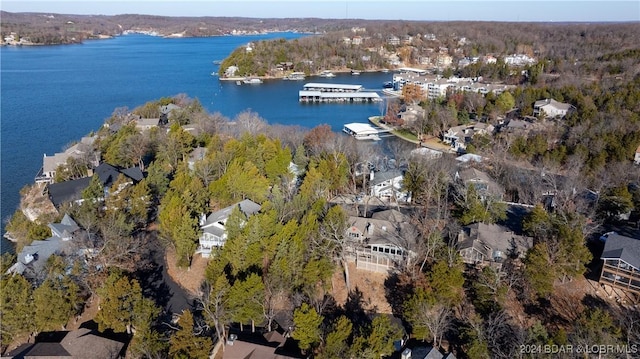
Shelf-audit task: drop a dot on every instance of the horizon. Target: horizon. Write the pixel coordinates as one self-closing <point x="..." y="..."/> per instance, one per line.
<point x="470" y="10"/>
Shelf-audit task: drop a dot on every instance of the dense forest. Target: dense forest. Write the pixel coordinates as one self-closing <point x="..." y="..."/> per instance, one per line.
<point x="282" y="261"/>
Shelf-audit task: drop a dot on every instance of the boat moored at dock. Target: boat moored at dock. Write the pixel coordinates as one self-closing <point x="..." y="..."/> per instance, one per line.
<point x="327" y="73"/>
<point x="252" y="81"/>
<point x="295" y="76"/>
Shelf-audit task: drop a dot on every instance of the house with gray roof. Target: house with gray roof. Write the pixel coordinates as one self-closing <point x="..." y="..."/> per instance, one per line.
<point x="387" y="185"/>
<point x="145" y="124"/>
<point x="214" y="231"/>
<point x="270" y="345"/>
<point x="621" y="263"/>
<point x="490" y="244"/>
<point x="484" y="185"/>
<point x="32" y="259"/>
<point x="382" y="242"/>
<point x="81" y="150"/>
<point x="550" y="108"/>
<point x="459" y="136"/>
<point x="71" y="191"/>
<point x="77" y="344"/>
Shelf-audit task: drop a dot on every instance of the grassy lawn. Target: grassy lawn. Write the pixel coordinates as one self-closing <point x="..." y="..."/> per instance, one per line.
<point x="402" y="133"/>
<point x="406" y="134"/>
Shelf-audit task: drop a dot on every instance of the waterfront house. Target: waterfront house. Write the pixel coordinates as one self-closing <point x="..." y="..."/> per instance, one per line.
<point x="145" y="124"/>
<point x="621" y="263"/>
<point x="71" y="191"/>
<point x="31" y="260"/>
<point x="82" y="150"/>
<point x="165" y="112"/>
<point x="550" y="108"/>
<point x="214" y="231"/>
<point x="381" y="243"/>
<point x="490" y="244"/>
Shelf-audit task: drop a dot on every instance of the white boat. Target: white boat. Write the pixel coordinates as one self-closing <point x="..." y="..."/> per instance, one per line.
<point x="327" y="73"/>
<point x="295" y="76"/>
<point x="252" y="81"/>
<point x="355" y="73"/>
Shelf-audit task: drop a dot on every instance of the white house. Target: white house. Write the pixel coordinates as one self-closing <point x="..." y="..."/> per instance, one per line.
<point x="388" y="186"/>
<point x="214" y="231"/>
<point x="636" y="158"/>
<point x="551" y="108"/>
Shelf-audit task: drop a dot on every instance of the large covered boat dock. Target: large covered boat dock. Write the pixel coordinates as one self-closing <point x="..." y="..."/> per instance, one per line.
<point x="362" y="131"/>
<point x="321" y="92"/>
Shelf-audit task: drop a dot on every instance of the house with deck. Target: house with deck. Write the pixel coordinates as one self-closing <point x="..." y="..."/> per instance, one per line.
<point x="381" y="243"/>
<point x="621" y="263"/>
<point x="82" y="150"/>
<point x="214" y="230"/>
<point x="490" y="244"/>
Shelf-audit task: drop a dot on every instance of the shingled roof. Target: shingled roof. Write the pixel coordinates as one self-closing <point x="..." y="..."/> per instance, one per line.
<point x="624" y="248"/>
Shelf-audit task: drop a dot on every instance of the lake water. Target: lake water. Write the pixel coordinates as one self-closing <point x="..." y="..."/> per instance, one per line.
<point x="53" y="95"/>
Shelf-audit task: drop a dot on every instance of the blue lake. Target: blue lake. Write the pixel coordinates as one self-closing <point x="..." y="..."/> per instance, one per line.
<point x="53" y="95"/>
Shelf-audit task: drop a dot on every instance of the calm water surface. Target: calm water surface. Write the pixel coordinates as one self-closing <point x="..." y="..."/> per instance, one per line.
<point x="53" y="95"/>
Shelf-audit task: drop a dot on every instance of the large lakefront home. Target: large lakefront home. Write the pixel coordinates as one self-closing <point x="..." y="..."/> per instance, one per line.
<point x="214" y="231"/>
<point x="71" y="191"/>
<point x="82" y="150"/>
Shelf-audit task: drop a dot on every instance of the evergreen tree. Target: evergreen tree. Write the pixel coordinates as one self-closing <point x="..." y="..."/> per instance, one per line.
<point x="539" y="270"/>
<point x="185" y="344"/>
<point x="55" y="302"/>
<point x="16" y="308"/>
<point x="337" y="343"/>
<point x="307" y="327"/>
